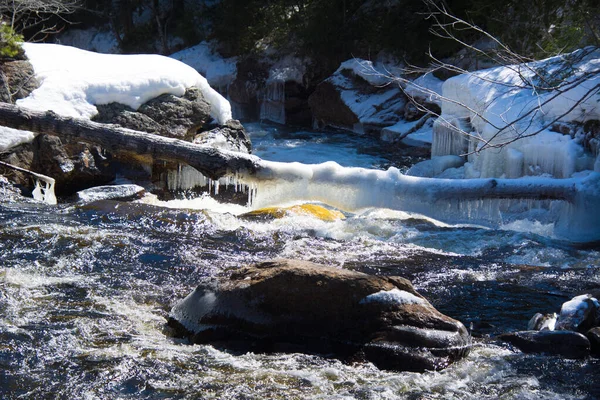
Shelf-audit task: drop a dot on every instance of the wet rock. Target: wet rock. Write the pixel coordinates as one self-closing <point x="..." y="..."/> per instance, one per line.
<point x="328" y="108"/>
<point x="231" y="136"/>
<point x="74" y="166"/>
<point x="542" y="322"/>
<point x="314" y="210"/>
<point x="579" y="314"/>
<point x="288" y="305"/>
<point x="111" y="192"/>
<point x="564" y="343"/>
<point x="10" y="193"/>
<point x="593" y="336"/>
<point x="165" y="115"/>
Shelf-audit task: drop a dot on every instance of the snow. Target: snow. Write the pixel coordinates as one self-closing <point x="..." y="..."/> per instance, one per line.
<point x="73" y="81"/>
<point x="427" y="87"/>
<point x="220" y="72"/>
<point x="10" y="138"/>
<point x="502" y="105"/>
<point x="380" y="105"/>
<point x="393" y="297"/>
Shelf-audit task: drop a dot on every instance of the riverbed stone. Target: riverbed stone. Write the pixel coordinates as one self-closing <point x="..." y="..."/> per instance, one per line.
<point x="290" y="305"/>
<point x="568" y="344"/>
<point x="593" y="336"/>
<point x="579" y="314"/>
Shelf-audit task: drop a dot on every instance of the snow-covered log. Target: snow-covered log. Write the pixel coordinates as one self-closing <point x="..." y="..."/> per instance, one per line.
<point x="346" y="188"/>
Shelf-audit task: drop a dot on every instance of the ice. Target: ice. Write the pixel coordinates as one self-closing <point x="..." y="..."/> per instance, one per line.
<point x="450" y="137"/>
<point x="73" y="81"/>
<point x="393" y="297"/>
<point x="505" y="110"/>
<point x="10" y="138"/>
<point x="272" y="107"/>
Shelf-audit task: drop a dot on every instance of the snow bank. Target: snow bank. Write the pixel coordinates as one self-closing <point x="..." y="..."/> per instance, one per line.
<point x="510" y="102"/>
<point x="73" y="81"/>
<point x="219" y="71"/>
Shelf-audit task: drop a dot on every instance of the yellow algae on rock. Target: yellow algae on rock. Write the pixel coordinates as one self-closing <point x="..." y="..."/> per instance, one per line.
<point x="314" y="210"/>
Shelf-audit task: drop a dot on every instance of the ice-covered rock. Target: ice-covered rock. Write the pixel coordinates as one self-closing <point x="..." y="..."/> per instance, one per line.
<point x="111" y="192"/>
<point x="579" y="314"/>
<point x="297" y="306"/>
<point x="360" y="96"/>
<point x="515" y="107"/>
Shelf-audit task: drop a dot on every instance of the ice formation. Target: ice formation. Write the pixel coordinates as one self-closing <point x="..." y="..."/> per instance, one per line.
<point x="73" y="81"/>
<point x="288" y="69"/>
<point x="499" y="105"/>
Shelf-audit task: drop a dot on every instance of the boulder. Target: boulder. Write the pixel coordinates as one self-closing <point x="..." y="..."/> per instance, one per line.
<point x="111" y="192"/>
<point x="74" y="166"/>
<point x="166" y="115"/>
<point x="17" y="80"/>
<point x="579" y="314"/>
<point x="231" y="136"/>
<point x="564" y="343"/>
<point x="358" y="97"/>
<point x="593" y="336"/>
<point x="287" y="305"/>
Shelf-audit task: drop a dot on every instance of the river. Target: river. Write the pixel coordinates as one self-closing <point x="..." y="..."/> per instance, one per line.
<point x="85" y="291"/>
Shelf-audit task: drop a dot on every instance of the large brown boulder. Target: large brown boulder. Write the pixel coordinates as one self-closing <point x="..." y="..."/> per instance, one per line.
<point x="288" y="305"/>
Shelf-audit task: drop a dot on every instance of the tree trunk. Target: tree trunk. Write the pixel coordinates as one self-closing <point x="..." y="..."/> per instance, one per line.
<point x="211" y="162"/>
<point x="215" y="163"/>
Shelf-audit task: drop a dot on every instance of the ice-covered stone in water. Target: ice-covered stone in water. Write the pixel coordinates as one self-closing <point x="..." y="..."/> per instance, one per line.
<point x="579" y="314"/>
<point x="541" y="322"/>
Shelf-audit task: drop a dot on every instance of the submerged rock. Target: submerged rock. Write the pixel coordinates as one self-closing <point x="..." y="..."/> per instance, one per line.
<point x="593" y="336"/>
<point x="314" y="210"/>
<point x="298" y="306"/>
<point x="564" y="343"/>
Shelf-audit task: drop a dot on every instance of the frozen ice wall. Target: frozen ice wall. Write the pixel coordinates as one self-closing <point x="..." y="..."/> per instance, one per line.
<point x="516" y="106"/>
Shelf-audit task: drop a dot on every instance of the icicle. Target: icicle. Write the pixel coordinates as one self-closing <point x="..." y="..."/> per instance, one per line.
<point x="449" y="137"/>
<point x="272" y="107"/>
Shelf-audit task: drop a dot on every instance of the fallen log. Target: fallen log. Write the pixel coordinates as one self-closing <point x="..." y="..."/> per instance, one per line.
<point x="211" y="162"/>
<point x="345" y="188"/>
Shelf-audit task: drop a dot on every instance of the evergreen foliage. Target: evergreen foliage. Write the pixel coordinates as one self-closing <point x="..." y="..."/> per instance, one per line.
<point x="10" y="42"/>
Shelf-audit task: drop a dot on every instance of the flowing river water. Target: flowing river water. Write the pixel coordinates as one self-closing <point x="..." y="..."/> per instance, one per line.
<point x="85" y="291"/>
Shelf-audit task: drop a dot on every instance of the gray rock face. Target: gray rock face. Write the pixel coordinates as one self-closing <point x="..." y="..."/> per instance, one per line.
<point x="564" y="343"/>
<point x="17" y="80"/>
<point x="74" y="166"/>
<point x="165" y="115"/>
<point x="288" y="305"/>
<point x="231" y="136"/>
